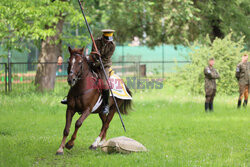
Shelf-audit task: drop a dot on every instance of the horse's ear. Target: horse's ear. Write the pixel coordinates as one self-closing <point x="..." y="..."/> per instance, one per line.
<point x="82" y="50"/>
<point x="70" y="50"/>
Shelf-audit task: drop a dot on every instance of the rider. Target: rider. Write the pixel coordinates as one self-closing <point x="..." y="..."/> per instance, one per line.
<point x="106" y="48"/>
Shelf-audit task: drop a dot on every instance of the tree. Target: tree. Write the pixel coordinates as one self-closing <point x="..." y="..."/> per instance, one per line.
<point x="51" y="47"/>
<point x="176" y="21"/>
<point x="160" y="21"/>
<point x="219" y="18"/>
<point x="41" y="22"/>
<point x="227" y="54"/>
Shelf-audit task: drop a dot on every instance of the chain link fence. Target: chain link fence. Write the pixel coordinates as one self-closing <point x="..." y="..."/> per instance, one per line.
<point x="3" y="78"/>
<point x="21" y="76"/>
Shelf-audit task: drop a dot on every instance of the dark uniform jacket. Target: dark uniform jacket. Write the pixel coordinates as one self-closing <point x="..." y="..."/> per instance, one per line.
<point x="243" y="73"/>
<point x="210" y="76"/>
<point x="106" y="49"/>
<point x="248" y="73"/>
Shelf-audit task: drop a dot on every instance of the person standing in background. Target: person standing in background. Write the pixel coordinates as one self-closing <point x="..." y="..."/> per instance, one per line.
<point x="243" y="76"/>
<point x="59" y="63"/>
<point x="210" y="84"/>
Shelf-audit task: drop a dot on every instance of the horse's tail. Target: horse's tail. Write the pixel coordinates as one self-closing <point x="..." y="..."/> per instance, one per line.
<point x="127" y="104"/>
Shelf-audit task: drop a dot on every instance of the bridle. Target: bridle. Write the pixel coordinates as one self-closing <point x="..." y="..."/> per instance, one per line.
<point x="79" y="73"/>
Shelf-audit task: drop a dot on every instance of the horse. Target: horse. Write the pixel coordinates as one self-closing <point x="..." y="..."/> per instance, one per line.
<point x="82" y="97"/>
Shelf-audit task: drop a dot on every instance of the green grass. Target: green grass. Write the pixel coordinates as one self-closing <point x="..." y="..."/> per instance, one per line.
<point x="171" y="124"/>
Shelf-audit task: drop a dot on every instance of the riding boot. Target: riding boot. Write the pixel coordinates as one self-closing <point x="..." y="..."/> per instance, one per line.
<point x="105" y="97"/>
<point x="206" y="106"/>
<point x="211" y="106"/>
<point x="64" y="101"/>
<point x="239" y="104"/>
<point x="245" y="103"/>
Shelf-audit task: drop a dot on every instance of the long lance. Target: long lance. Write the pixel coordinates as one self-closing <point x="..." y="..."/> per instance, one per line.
<point x="99" y="57"/>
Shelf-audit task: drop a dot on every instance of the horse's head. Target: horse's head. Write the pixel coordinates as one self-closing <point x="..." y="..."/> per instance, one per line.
<point x="75" y="65"/>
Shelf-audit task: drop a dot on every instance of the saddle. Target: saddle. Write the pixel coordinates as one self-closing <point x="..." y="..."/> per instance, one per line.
<point x="95" y="66"/>
<point x="96" y="72"/>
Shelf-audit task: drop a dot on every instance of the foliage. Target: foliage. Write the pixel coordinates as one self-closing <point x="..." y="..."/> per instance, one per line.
<point x="35" y="20"/>
<point x="153" y="21"/>
<point x="167" y="21"/>
<point x="227" y="54"/>
<point x="175" y="21"/>
<point x="233" y="16"/>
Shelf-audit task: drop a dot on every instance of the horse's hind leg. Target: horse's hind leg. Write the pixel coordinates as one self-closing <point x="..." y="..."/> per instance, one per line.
<point x="98" y="139"/>
<point x="69" y="115"/>
<point x="78" y="124"/>
<point x="102" y="137"/>
<point x="107" y="122"/>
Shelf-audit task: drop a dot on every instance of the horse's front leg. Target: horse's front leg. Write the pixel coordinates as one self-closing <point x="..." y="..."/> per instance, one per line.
<point x="69" y="115"/>
<point x="78" y="124"/>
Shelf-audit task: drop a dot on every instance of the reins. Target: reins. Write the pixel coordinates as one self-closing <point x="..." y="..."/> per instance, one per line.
<point x="79" y="75"/>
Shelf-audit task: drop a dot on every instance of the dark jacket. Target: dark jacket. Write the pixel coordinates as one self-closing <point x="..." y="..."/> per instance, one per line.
<point x="243" y="73"/>
<point x="248" y="73"/>
<point x="106" y="49"/>
<point x="210" y="79"/>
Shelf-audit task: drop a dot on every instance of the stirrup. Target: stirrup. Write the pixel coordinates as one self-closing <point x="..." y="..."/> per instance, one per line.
<point x="64" y="101"/>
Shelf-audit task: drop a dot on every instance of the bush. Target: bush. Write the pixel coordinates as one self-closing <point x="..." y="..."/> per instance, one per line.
<point x="227" y="54"/>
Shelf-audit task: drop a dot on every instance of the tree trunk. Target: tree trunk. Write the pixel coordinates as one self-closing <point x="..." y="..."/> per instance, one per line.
<point x="46" y="68"/>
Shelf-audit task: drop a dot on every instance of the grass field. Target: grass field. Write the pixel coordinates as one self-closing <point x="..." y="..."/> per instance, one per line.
<point x="171" y="124"/>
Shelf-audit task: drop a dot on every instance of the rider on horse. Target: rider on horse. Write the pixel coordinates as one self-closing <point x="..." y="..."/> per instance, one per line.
<point x="106" y="48"/>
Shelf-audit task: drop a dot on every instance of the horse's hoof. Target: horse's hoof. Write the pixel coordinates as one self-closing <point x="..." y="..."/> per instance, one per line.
<point x="59" y="153"/>
<point x="69" y="146"/>
<point x="101" y="143"/>
<point x="92" y="147"/>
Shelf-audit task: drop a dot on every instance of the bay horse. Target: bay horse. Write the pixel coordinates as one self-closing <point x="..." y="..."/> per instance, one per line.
<point x="82" y="98"/>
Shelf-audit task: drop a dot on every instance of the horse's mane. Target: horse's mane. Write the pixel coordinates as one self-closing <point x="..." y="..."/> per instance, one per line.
<point x="78" y="51"/>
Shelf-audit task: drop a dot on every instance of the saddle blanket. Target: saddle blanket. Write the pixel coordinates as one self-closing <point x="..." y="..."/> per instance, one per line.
<point x="118" y="88"/>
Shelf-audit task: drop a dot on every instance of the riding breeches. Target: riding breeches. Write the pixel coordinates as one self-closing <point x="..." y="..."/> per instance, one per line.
<point x="104" y="84"/>
<point x="244" y="90"/>
<point x="210" y="97"/>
